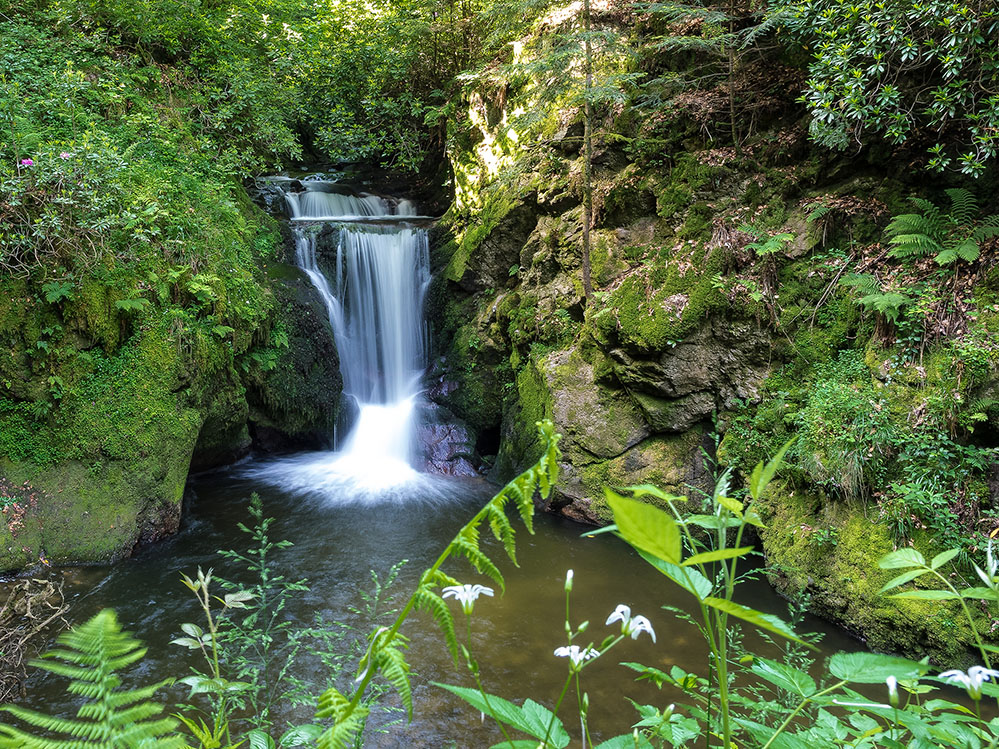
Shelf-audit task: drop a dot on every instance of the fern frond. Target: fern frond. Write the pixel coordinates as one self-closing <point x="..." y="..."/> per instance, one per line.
<point x="91" y="654"/>
<point x="347" y="721"/>
<point x="502" y="529"/>
<point x="967" y="250"/>
<point x="392" y="664"/>
<point x="818" y="212"/>
<point x="441" y="579"/>
<point x="865" y="283"/>
<point x="988" y="229"/>
<point x="466" y="544"/>
<point x="429" y="601"/>
<point x="937" y="223"/>
<point x="964" y="206"/>
<point x="914" y="245"/>
<point x="889" y="304"/>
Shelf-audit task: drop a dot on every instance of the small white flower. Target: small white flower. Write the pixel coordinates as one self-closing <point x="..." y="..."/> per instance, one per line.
<point x="622" y="613"/>
<point x="568" y="581"/>
<point x="971" y="681"/>
<point x="892" y="683"/>
<point x="466" y="595"/>
<point x="575" y="654"/>
<point x="630" y="625"/>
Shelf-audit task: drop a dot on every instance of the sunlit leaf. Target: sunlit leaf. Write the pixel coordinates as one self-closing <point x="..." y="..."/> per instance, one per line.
<point x="645" y="527"/>
<point x="714" y="556"/>
<point x="901" y="558"/>
<point x="874" y="668"/>
<point x="757" y="618"/>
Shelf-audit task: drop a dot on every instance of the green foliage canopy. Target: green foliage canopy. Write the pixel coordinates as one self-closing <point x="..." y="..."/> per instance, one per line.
<point x="905" y="70"/>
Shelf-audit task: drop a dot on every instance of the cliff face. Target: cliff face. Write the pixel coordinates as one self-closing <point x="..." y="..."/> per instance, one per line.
<point x="719" y="327"/>
<point x="114" y="389"/>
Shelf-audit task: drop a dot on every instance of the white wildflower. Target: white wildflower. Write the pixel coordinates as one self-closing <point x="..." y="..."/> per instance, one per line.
<point x="466" y="595"/>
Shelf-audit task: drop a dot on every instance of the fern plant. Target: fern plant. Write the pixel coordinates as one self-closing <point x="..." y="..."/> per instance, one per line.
<point x="948" y="237"/>
<point x="872" y="296"/>
<point x="385" y="653"/>
<point x="91" y="656"/>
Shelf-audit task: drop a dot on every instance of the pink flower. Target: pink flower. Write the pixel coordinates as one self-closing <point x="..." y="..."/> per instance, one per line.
<point x="27" y="162"/>
<point x="65" y="155"/>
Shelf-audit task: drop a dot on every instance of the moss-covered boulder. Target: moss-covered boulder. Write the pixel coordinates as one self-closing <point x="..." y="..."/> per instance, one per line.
<point x="109" y="472"/>
<point x="606" y="439"/>
<point x="829" y="551"/>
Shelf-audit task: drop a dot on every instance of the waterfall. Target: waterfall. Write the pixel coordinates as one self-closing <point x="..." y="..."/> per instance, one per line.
<point x="373" y="291"/>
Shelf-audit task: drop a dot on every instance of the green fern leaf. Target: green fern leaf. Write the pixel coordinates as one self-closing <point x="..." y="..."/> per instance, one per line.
<point x="392" y="665"/>
<point x="90" y="656"/>
<point x="429" y="601"/>
<point x="503" y="530"/>
<point x="889" y="304"/>
<point x="988" y="229"/>
<point x="347" y="722"/>
<point x="964" y="207"/>
<point x="467" y="545"/>
<point x="441" y="579"/>
<point x="865" y="283"/>
<point x="967" y="250"/>
<point x="818" y="212"/>
<point x="935" y="223"/>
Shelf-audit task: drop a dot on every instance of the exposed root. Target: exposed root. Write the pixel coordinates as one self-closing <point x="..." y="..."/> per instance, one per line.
<point x="31" y="612"/>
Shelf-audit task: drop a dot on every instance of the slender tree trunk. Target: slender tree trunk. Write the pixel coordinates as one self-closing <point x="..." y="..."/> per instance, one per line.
<point x="587" y="154"/>
<point x="736" y="140"/>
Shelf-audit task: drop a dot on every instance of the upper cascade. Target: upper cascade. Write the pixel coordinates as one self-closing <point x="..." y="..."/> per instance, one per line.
<point x="320" y="203"/>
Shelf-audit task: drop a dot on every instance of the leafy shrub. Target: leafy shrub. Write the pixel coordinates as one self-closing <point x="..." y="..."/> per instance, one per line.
<point x="846" y="429"/>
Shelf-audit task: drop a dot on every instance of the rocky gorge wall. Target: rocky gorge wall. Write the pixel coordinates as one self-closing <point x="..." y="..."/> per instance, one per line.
<point x="147" y="395"/>
<point x="699" y="352"/>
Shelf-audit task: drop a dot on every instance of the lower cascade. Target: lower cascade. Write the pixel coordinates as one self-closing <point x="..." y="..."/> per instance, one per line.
<point x="373" y="292"/>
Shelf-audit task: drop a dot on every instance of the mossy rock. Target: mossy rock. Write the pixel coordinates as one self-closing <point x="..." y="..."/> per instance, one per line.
<point x="295" y="402"/>
<point x="671" y="462"/>
<point x="830" y="550"/>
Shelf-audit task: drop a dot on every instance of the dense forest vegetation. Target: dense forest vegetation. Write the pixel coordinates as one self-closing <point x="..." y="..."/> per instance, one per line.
<point x="687" y="237"/>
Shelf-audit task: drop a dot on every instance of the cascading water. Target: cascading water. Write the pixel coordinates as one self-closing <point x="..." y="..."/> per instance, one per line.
<point x="373" y="293"/>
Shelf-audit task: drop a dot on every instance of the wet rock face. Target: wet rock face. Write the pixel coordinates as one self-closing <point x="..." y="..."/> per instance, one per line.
<point x="600" y="420"/>
<point x="295" y="404"/>
<point x="447" y="443"/>
<point x="723" y="361"/>
<point x="489" y="265"/>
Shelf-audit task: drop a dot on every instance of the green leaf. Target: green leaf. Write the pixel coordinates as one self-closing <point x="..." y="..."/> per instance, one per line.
<point x="187" y="642"/>
<point x="943" y="557"/>
<point x="787" y="678"/>
<point x="711" y="522"/>
<point x="624" y="741"/>
<point x="533" y="719"/>
<point x="687" y="578"/>
<point x="763" y="475"/>
<point x="304" y="735"/>
<point x="904" y="578"/>
<point x="260" y="739"/>
<point x="757" y="618"/>
<point x="927" y="595"/>
<point x="980" y="593"/>
<point x="732" y="505"/>
<point x="714" y="556"/>
<point x="238" y="599"/>
<point x="902" y="558"/>
<point x="645" y="527"/>
<point x="874" y="668"/>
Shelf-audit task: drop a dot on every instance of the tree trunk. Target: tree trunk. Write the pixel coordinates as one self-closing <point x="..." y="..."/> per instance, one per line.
<point x="587" y="155"/>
